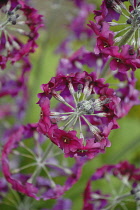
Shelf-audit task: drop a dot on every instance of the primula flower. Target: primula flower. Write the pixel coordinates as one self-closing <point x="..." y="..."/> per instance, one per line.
<point x="104" y="37"/>
<point x="76" y="61"/>
<point x="127" y="177"/>
<point x="83" y="100"/>
<point x="34" y="171"/>
<point x="123" y="58"/>
<point x="129" y="95"/>
<point x="13" y="89"/>
<point x="128" y="28"/>
<point x="18" y="21"/>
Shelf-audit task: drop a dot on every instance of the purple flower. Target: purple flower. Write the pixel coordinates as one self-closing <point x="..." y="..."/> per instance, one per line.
<point x="105" y="37"/>
<point x="62" y="204"/>
<point x="77" y="28"/>
<point x="123" y="58"/>
<point x="76" y="62"/>
<point x="14" y="91"/>
<point x="93" y="199"/>
<point x="126" y="175"/>
<point x="78" y="109"/>
<point x="36" y="169"/>
<point x="3" y="188"/>
<point x="127" y="30"/>
<point x="129" y="97"/>
<point x="23" y="20"/>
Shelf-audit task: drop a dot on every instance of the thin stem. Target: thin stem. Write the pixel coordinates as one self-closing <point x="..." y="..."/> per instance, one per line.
<point x="106" y="68"/>
<point x="65" y="170"/>
<point x="46" y="153"/>
<point x="27" y="148"/>
<point x="34" y="175"/>
<point x="69" y="120"/>
<point x="50" y="178"/>
<point x="126" y="37"/>
<point x="23" y="167"/>
<point x="23" y="154"/>
<point x="15" y="195"/>
<point x="59" y="113"/>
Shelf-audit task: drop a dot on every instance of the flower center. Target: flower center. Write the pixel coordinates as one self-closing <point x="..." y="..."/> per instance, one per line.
<point x="12" y="26"/>
<point x="83" y="108"/>
<point x="9" y="16"/>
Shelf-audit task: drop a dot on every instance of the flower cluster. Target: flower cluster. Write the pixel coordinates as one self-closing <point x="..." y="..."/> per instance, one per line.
<point x="86" y="103"/>
<point x="127" y="186"/>
<point x="38" y="161"/>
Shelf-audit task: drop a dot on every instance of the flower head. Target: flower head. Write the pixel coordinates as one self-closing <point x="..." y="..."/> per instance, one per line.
<point x="33" y="170"/>
<point x="85" y="104"/>
<point x="127" y="177"/>
<point x="127" y="30"/>
<point x="18" y="20"/>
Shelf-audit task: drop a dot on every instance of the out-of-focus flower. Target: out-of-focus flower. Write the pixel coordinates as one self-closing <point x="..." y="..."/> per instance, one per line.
<point x="62" y="204"/>
<point x="18" y="22"/>
<point x="127" y="178"/>
<point x="13" y="89"/>
<point x="77" y="27"/>
<point x="83" y="120"/>
<point x="38" y="169"/>
<point x="78" y="60"/>
<point x="129" y="96"/>
<point x="3" y="188"/>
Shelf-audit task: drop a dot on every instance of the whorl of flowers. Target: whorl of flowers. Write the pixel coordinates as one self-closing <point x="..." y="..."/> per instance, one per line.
<point x="127" y="187"/>
<point x="31" y="181"/>
<point x="87" y="105"/>
<point x="18" y="21"/>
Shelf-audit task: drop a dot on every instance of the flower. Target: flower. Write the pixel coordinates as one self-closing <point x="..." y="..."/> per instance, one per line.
<point x="123" y="58"/>
<point x="129" y="96"/>
<point x="127" y="30"/>
<point x="23" y="20"/>
<point x="93" y="200"/>
<point x="14" y="90"/>
<point x="127" y="177"/>
<point x="35" y="171"/>
<point x="77" y="28"/>
<point x="77" y="112"/>
<point x="80" y="58"/>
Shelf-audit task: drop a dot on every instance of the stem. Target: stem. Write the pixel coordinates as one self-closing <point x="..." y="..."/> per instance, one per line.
<point x="106" y="68"/>
<point x="126" y="37"/>
<point x="46" y="153"/>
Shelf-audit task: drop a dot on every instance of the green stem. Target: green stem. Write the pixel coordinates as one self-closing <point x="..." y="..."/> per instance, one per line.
<point x="106" y="68"/>
<point x="126" y="37"/>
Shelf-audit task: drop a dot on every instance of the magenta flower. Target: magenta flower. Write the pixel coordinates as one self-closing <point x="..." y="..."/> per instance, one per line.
<point x="17" y="18"/>
<point x="94" y="199"/>
<point x="78" y="110"/>
<point x="123" y="58"/>
<point x="127" y="30"/>
<point x="127" y="177"/>
<point x="104" y="37"/>
<point x="36" y="172"/>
